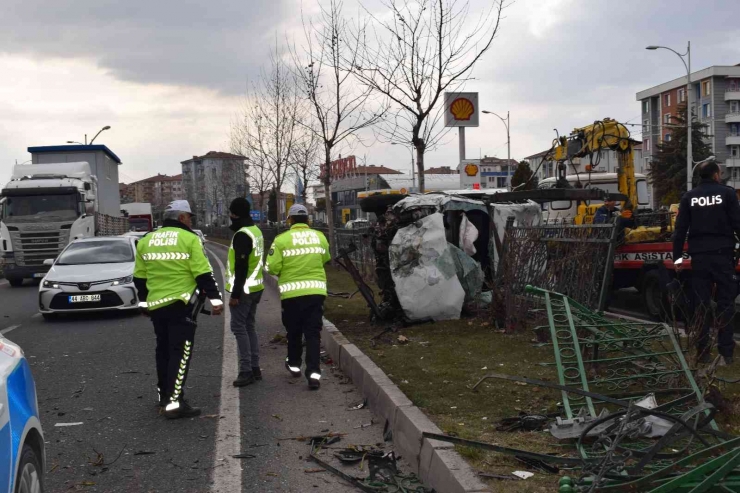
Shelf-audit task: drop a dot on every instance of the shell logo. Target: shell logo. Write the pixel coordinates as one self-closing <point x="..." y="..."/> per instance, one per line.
<point x="403" y="191"/>
<point x="462" y="109"/>
<point x="471" y="169"/>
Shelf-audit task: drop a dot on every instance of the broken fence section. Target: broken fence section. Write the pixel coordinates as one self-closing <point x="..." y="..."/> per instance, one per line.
<point x="612" y="373"/>
<point x="575" y="260"/>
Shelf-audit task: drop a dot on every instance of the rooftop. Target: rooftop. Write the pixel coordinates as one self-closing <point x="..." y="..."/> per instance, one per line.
<point x="75" y="148"/>
<point x="215" y="155"/>
<point x="713" y="71"/>
<point x="376" y="170"/>
<point x="442" y="170"/>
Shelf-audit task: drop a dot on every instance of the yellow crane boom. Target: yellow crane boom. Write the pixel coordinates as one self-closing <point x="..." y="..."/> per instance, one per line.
<point x="589" y="141"/>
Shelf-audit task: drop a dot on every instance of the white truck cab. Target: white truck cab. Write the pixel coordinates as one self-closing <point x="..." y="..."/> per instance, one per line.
<point x="568" y="209"/>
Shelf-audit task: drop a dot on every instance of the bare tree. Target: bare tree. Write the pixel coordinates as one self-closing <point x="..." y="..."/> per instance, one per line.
<point x="306" y="159"/>
<point x="339" y="106"/>
<point x="421" y="49"/>
<point x="243" y="141"/>
<point x="267" y="130"/>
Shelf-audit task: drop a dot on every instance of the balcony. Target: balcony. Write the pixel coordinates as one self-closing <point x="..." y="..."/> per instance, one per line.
<point x="733" y="163"/>
<point x="732" y="94"/>
<point x="733" y="117"/>
<point x="733" y="140"/>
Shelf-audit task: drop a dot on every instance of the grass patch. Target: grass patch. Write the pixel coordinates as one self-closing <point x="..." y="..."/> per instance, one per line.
<point x="442" y="361"/>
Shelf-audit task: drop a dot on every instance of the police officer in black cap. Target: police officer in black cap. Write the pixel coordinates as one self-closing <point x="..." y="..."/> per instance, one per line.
<point x="711" y="215"/>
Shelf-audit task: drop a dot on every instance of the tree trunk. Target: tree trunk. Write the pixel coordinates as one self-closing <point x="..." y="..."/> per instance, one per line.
<point x="329" y="206"/>
<point x="420" y="167"/>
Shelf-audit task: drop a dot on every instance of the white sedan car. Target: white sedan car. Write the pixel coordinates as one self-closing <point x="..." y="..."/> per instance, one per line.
<point x="91" y="274"/>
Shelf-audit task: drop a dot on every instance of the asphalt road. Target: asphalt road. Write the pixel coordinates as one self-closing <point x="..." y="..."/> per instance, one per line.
<point x="96" y="373"/>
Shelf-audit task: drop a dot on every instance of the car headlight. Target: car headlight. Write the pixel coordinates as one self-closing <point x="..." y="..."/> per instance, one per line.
<point x="124" y="280"/>
<point x="50" y="284"/>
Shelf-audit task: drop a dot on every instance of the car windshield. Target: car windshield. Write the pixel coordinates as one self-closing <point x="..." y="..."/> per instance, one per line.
<point x="97" y="252"/>
<point x="138" y="224"/>
<point x="41" y="208"/>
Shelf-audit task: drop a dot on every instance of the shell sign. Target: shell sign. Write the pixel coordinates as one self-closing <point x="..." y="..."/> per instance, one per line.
<point x="461" y="109"/>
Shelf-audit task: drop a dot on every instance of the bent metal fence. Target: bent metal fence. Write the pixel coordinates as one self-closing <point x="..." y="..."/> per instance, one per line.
<point x="574" y="260"/>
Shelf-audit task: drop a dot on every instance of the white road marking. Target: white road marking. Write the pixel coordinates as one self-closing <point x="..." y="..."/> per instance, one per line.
<point x="6" y="330"/>
<point x="228" y="478"/>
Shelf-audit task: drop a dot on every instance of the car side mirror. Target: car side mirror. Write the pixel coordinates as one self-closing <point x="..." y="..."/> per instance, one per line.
<point x="49" y="262"/>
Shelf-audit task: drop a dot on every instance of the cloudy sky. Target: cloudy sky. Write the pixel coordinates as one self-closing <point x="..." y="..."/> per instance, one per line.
<point x="169" y="76"/>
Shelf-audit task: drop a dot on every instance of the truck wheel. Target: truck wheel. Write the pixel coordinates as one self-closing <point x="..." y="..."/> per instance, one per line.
<point x="15" y="282"/>
<point x="654" y="296"/>
<point x="29" y="479"/>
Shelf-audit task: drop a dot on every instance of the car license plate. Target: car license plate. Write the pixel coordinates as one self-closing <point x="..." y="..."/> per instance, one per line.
<point x="84" y="298"/>
<point x="39" y="274"/>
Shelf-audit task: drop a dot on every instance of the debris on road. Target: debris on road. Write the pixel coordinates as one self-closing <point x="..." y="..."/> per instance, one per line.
<point x="59" y="425"/>
<point x="244" y="456"/>
<point x="360" y="405"/>
<point x="523" y="474"/>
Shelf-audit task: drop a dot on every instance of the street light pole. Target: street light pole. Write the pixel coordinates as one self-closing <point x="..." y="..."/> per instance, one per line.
<point x="107" y="127"/>
<point x="508" y="145"/>
<point x="413" y="165"/>
<point x="689" y="135"/>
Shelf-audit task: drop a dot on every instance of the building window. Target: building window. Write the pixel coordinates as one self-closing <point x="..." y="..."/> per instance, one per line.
<point x="735" y="152"/>
<point x="706" y="110"/>
<point x="734" y="129"/>
<point x="681" y="95"/>
<point x="734" y="106"/>
<point x="500" y="182"/>
<point x="667" y="99"/>
<point x="706" y="88"/>
<point x="646" y="106"/>
<point x="667" y="137"/>
<point x="646" y="145"/>
<point x="734" y="85"/>
<point x="667" y="118"/>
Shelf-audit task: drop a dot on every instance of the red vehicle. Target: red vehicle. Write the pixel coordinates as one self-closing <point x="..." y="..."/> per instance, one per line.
<point x="139" y="216"/>
<point x="649" y="267"/>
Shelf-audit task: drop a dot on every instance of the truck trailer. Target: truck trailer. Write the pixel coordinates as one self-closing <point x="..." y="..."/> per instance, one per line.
<point x="69" y="192"/>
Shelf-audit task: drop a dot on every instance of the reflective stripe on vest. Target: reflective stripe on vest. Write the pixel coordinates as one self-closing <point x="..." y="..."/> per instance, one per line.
<point x="166" y="256"/>
<point x="184" y="296"/>
<point x="303" y="251"/>
<point x="293" y="286"/>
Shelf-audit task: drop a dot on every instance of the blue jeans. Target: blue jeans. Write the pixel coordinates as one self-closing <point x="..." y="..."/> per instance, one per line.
<point x="242" y="325"/>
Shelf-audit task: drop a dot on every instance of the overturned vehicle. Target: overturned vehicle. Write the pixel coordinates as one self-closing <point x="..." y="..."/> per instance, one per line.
<point x="436" y="253"/>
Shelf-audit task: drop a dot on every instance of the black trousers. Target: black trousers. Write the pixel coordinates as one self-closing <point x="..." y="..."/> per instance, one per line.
<point x="175" y="334"/>
<point x="303" y="317"/>
<point x="718" y="270"/>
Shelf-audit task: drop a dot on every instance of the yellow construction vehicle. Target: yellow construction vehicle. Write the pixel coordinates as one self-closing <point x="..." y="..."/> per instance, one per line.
<point x="589" y="142"/>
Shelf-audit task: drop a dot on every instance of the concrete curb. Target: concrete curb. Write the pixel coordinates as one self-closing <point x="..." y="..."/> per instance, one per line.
<point x="436" y="463"/>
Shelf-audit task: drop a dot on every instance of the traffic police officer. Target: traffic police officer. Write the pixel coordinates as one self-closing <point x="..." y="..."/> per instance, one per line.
<point x="244" y="282"/>
<point x="297" y="257"/>
<point x="711" y="215"/>
<point x="171" y="270"/>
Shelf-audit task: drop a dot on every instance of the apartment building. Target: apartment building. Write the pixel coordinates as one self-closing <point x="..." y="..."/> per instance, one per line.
<point x="211" y="182"/>
<point x="715" y="101"/>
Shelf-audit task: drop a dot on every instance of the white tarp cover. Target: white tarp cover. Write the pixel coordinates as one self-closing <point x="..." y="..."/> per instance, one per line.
<point x="529" y="214"/>
<point x="424" y="271"/>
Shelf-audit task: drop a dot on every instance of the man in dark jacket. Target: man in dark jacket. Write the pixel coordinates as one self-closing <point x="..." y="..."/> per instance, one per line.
<point x="606" y="212"/>
<point x="711" y="215"/>
<point x="244" y="282"/>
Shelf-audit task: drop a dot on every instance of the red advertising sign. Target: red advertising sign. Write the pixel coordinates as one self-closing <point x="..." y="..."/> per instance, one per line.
<point x="342" y="167"/>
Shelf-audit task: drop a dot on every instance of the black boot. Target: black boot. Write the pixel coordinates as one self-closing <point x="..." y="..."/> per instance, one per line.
<point x="245" y="378"/>
<point x="184" y="410"/>
<point x="257" y="372"/>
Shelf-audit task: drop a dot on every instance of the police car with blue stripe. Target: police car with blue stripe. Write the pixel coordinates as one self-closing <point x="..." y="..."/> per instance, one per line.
<point x="21" y="438"/>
